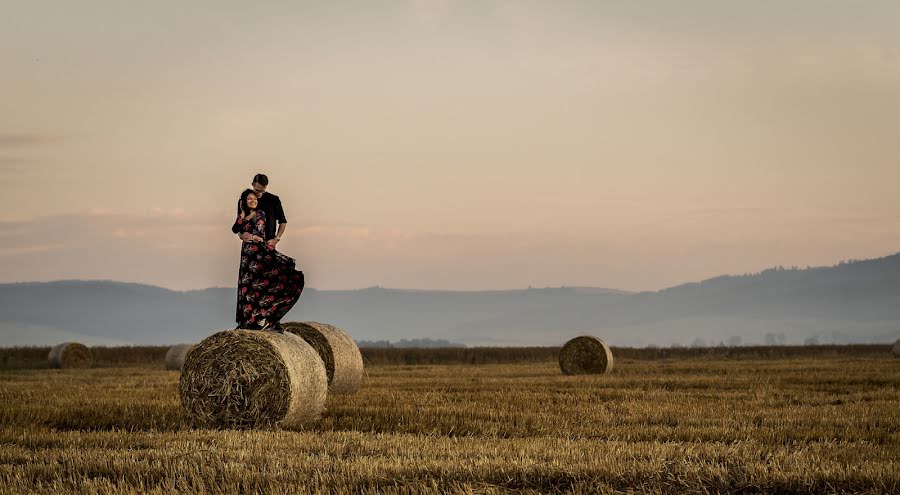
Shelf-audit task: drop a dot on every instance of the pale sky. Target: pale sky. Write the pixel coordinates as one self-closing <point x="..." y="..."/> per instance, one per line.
<point x="449" y="144"/>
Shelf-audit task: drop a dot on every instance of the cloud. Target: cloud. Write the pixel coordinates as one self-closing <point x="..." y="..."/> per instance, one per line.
<point x="171" y="249"/>
<point x="11" y="165"/>
<point x="9" y="160"/>
<point x="14" y="166"/>
<point x="22" y="139"/>
<point x="98" y="226"/>
<point x="12" y="251"/>
<point x="187" y="250"/>
<point x="430" y="12"/>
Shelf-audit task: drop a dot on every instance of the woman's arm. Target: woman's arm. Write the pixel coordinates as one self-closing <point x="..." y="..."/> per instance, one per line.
<point x="238" y="224"/>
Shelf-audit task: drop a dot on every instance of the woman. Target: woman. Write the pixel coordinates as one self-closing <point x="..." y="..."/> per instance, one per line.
<point x="268" y="283"/>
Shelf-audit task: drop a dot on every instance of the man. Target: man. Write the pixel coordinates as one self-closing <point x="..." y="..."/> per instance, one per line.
<point x="270" y="204"/>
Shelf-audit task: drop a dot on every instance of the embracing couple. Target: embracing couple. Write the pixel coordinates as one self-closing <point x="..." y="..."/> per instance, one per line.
<point x="268" y="282"/>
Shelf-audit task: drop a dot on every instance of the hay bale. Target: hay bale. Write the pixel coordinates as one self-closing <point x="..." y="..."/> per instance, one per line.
<point x="585" y="355"/>
<point x="250" y="379"/>
<point x="896" y="349"/>
<point x="70" y="355"/>
<point x="176" y="355"/>
<point x="339" y="352"/>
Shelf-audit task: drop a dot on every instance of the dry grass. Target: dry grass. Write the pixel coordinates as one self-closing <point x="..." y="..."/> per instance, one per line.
<point x="252" y="379"/>
<point x="70" y="355"/>
<point x="585" y="355"/>
<point x="825" y="425"/>
<point x="342" y="359"/>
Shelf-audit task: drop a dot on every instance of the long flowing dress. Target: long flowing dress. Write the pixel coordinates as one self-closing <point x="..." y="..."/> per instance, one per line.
<point x="268" y="282"/>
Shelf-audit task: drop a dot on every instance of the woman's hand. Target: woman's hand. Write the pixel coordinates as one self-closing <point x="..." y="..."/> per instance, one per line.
<point x="248" y="237"/>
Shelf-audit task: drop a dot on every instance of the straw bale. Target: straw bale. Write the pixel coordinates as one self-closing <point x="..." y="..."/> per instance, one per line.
<point x="176" y="355"/>
<point x="585" y="355"/>
<point x="251" y="379"/>
<point x="339" y="352"/>
<point x="70" y="355"/>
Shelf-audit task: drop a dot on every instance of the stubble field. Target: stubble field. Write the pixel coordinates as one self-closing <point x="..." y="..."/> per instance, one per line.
<point x="807" y="424"/>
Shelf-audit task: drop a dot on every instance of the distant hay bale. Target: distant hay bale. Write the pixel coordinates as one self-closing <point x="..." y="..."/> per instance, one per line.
<point x="252" y="378"/>
<point x="896" y="349"/>
<point x="176" y="355"/>
<point x="70" y="355"/>
<point x="339" y="352"/>
<point x="585" y="355"/>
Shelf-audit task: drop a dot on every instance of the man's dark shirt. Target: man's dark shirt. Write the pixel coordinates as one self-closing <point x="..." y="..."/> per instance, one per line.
<point x="270" y="204"/>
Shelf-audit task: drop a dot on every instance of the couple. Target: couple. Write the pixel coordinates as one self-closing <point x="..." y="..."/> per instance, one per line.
<point x="268" y="283"/>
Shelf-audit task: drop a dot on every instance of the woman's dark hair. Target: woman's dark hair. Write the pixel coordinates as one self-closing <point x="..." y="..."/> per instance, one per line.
<point x="246" y="209"/>
<point x="261" y="179"/>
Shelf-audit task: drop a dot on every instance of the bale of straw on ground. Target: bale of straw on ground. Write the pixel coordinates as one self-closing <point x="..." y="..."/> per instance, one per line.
<point x="896" y="349"/>
<point x="339" y="352"/>
<point x="70" y="355"/>
<point x="253" y="379"/>
<point x="585" y="355"/>
<point x="176" y="355"/>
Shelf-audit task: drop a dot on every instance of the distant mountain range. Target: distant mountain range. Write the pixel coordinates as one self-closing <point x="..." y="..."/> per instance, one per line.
<point x="856" y="301"/>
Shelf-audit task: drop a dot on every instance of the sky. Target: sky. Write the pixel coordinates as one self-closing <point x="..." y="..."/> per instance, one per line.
<point x="489" y="144"/>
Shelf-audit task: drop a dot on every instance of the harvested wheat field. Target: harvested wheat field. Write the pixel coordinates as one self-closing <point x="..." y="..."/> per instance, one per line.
<point x="342" y="359"/>
<point x="70" y="355"/>
<point x="811" y="424"/>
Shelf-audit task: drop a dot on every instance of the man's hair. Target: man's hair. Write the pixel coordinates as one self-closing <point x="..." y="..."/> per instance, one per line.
<point x="261" y="179"/>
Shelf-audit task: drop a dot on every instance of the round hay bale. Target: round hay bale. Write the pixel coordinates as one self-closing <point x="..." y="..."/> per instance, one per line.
<point x="70" y="355"/>
<point x="896" y="349"/>
<point x="585" y="355"/>
<point x="339" y="352"/>
<point x="176" y="355"/>
<point x="251" y="379"/>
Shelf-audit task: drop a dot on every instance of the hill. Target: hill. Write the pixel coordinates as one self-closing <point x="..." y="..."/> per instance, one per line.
<point x="857" y="301"/>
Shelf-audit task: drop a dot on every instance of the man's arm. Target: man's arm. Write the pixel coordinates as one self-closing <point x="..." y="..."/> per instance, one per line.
<point x="273" y="241"/>
<point x="282" y="224"/>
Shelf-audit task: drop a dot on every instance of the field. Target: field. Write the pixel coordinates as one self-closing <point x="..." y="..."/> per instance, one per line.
<point x="825" y="421"/>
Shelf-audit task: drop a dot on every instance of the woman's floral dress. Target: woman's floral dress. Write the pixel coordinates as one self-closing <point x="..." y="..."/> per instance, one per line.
<point x="268" y="283"/>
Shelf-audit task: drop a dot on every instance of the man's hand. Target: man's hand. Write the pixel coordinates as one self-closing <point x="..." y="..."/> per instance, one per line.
<point x="272" y="242"/>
